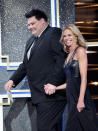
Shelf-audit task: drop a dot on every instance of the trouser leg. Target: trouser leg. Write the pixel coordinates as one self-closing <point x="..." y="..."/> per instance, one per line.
<point x="49" y="114"/>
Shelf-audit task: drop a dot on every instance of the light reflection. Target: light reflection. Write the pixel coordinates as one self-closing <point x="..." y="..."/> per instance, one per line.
<point x="90" y="52"/>
<point x="86" y="22"/>
<point x="95" y="83"/>
<point x="86" y="4"/>
<point x="95" y="97"/>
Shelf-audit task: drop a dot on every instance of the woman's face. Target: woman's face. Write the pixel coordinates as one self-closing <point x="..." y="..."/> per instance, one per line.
<point x="69" y="38"/>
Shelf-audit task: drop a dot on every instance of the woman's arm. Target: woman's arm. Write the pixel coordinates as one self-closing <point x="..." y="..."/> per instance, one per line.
<point x="82" y="58"/>
<point x="63" y="86"/>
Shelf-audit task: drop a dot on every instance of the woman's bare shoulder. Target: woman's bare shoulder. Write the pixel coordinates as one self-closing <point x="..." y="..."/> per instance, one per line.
<point x="81" y="50"/>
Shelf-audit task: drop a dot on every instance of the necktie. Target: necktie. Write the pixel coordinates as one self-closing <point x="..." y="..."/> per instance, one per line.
<point x="31" y="48"/>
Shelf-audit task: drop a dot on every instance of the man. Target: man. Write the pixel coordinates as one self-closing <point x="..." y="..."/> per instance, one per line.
<point x="42" y="64"/>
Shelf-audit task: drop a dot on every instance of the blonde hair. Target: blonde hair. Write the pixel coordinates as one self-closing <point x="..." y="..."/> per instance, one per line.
<point x="77" y="33"/>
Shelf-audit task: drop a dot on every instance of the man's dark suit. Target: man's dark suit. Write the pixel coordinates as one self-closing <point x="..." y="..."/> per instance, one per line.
<point x="44" y="66"/>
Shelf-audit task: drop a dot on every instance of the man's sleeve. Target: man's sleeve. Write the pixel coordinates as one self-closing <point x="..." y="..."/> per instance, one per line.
<point x="19" y="74"/>
<point x="58" y="56"/>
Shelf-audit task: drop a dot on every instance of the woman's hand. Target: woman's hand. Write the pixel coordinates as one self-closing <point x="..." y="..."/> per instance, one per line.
<point x="80" y="105"/>
<point x="49" y="89"/>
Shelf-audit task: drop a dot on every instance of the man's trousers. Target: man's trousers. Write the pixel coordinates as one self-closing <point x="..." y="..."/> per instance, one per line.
<point x="49" y="114"/>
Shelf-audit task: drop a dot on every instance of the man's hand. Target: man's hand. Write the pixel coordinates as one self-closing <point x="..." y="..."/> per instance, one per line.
<point x="49" y="89"/>
<point x="8" y="85"/>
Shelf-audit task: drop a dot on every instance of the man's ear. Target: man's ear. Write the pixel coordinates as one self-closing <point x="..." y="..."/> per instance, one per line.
<point x="42" y="20"/>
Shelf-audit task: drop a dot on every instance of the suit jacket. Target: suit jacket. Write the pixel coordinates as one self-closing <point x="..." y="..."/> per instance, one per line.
<point x="45" y="65"/>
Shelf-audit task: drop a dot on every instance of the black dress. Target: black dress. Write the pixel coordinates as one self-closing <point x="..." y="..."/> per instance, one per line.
<point x="86" y="119"/>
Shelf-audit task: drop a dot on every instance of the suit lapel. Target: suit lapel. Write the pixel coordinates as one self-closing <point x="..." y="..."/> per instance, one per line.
<point x="36" y="45"/>
<point x="30" y="43"/>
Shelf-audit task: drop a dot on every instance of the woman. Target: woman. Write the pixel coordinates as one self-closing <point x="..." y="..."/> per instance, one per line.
<point x="81" y="110"/>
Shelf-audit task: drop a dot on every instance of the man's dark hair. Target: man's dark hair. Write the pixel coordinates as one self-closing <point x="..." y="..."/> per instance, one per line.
<point x="37" y="13"/>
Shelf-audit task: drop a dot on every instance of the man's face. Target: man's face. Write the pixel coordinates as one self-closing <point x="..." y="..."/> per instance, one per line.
<point x="36" y="26"/>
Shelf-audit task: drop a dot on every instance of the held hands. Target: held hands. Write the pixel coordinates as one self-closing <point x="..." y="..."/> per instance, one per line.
<point x="49" y="89"/>
<point x="8" y="85"/>
<point x="80" y="105"/>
